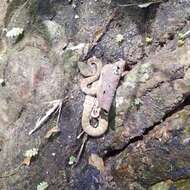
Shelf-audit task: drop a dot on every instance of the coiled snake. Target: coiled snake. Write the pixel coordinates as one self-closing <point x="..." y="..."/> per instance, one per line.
<point x="100" y="89"/>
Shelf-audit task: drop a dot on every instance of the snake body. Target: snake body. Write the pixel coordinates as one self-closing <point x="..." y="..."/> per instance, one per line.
<point x="91" y="80"/>
<point x="109" y="80"/>
<point x="99" y="95"/>
<point x="87" y="127"/>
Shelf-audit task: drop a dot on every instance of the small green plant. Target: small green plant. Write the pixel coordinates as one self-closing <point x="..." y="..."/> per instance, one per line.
<point x="181" y="43"/>
<point x="181" y="38"/>
<point x="148" y="40"/>
<point x="72" y="160"/>
<point x="42" y="186"/>
<point x="138" y="102"/>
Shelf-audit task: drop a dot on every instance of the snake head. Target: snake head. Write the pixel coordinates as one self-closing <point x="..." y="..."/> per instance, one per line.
<point x="119" y="67"/>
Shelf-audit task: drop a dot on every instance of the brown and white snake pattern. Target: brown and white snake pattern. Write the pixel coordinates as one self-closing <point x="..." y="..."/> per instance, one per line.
<point x="100" y="90"/>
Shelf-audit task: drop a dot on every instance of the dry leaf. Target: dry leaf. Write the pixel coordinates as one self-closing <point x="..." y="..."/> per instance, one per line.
<point x="96" y="161"/>
<point x="52" y="132"/>
<point x="98" y="34"/>
<point x="29" y="154"/>
<point x="27" y="161"/>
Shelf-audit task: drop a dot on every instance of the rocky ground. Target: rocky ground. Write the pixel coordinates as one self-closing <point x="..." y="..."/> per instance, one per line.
<point x="148" y="142"/>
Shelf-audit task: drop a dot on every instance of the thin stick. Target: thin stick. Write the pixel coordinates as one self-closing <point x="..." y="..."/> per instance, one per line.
<point x="85" y="138"/>
<point x="41" y="121"/>
<point x="140" y="4"/>
<point x="187" y="34"/>
<point x="136" y="4"/>
<point x="79" y="136"/>
<point x="59" y="114"/>
<point x="12" y="172"/>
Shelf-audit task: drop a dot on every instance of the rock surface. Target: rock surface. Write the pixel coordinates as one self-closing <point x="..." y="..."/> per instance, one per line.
<point x="3" y="10"/>
<point x="148" y="142"/>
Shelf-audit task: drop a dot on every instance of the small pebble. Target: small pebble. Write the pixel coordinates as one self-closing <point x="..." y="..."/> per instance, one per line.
<point x="74" y="6"/>
<point x="53" y="154"/>
<point x="186" y="141"/>
<point x="76" y="16"/>
<point x="2" y="82"/>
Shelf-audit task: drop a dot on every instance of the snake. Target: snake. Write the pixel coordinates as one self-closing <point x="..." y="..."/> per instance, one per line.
<point x="86" y="116"/>
<point x="99" y="90"/>
<point x="91" y="79"/>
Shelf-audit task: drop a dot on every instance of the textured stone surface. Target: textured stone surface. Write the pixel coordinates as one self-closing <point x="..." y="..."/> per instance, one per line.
<point x="3" y="10"/>
<point x="163" y="153"/>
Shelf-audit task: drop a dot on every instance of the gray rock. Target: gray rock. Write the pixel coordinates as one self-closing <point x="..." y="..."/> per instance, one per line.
<point x="54" y="30"/>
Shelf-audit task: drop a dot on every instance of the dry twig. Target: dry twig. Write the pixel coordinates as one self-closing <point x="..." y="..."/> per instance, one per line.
<point x="57" y="106"/>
